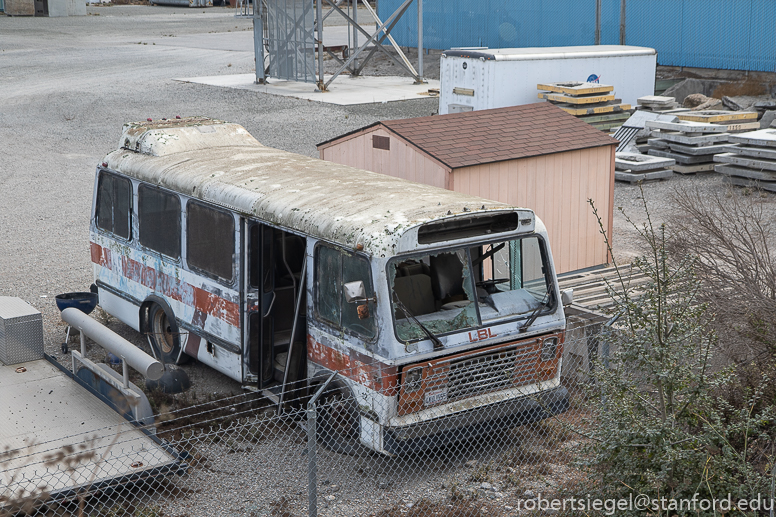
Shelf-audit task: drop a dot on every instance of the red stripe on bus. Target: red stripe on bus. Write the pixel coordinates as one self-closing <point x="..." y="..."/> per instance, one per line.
<point x="202" y="300"/>
<point x="355" y="366"/>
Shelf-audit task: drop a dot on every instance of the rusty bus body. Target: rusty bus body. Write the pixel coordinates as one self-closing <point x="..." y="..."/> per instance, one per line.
<point x="440" y="310"/>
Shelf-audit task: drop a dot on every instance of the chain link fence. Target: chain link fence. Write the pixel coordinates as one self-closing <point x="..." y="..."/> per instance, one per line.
<point x="482" y="433"/>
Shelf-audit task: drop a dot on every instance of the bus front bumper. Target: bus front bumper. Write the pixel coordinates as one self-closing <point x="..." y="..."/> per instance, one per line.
<point x="474" y="422"/>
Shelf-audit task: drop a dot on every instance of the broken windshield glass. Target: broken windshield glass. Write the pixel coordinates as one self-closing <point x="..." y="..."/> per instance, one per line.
<point x="464" y="288"/>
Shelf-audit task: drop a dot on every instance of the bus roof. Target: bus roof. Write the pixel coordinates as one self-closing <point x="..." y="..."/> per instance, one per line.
<point x="222" y="163"/>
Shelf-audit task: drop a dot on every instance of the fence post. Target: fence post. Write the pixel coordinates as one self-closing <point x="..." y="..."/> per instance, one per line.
<point x="622" y="22"/>
<point x="312" y="467"/>
<point x="597" y="22"/>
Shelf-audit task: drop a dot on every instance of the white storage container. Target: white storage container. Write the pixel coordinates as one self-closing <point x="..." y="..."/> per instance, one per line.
<point x="477" y="79"/>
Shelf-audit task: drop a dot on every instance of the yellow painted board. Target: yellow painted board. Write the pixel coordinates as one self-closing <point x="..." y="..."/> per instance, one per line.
<point x="717" y="116"/>
<point x="595" y="110"/>
<point x="575" y="88"/>
<point x="559" y="97"/>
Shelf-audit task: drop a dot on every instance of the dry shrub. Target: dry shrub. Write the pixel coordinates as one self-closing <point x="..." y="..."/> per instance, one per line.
<point x="731" y="236"/>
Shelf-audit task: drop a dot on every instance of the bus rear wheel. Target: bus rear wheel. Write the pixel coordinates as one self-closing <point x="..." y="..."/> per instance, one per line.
<point x="164" y="336"/>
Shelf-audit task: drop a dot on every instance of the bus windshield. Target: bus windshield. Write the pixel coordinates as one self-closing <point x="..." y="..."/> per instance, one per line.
<point x="464" y="288"/>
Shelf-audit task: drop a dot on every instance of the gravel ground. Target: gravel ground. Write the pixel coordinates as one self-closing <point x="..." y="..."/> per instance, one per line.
<point x="68" y="85"/>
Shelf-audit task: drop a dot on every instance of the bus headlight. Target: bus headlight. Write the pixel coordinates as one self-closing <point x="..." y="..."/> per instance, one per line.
<point x="413" y="380"/>
<point x="549" y="349"/>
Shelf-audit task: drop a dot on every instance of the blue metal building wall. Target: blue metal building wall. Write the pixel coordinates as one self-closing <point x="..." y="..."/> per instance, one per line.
<point x="726" y="34"/>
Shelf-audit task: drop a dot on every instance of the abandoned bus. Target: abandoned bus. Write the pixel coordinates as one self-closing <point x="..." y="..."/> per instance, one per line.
<point x="440" y="310"/>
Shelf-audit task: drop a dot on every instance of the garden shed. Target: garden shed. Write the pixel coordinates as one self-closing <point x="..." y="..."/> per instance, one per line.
<point x="533" y="156"/>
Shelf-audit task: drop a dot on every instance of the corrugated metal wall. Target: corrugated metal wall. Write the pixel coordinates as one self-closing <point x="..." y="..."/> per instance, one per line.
<point x="727" y="34"/>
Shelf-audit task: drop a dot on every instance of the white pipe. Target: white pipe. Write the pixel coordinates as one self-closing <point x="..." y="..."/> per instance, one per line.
<point x="148" y="367"/>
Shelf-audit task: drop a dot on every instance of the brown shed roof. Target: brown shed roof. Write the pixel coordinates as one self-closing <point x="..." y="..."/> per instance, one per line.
<point x="487" y="136"/>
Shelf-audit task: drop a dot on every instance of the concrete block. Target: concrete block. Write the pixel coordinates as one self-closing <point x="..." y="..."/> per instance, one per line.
<point x="583" y="99"/>
<point x="658" y="143"/>
<point x="680" y="138"/>
<point x="640" y="162"/>
<point x="682" y="158"/>
<point x="760" y="164"/>
<point x="575" y="88"/>
<point x="752" y="152"/>
<point x="717" y="116"/>
<point x="694" y="169"/>
<point x="57" y="8"/>
<point x="608" y="107"/>
<point x="761" y="138"/>
<point x="701" y="149"/>
<point x="741" y="127"/>
<point x="768" y="119"/>
<point x="743" y="172"/>
<point x="655" y="100"/>
<point x="683" y="126"/>
<point x="630" y="177"/>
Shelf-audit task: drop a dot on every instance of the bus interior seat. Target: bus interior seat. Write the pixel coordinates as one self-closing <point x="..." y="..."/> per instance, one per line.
<point x="447" y="277"/>
<point x="415" y="293"/>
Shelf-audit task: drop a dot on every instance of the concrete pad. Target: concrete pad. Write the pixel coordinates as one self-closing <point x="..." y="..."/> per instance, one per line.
<point x="630" y="177"/>
<point x="754" y="152"/>
<point x="717" y="116"/>
<point x="761" y="164"/>
<point x="743" y="172"/>
<point x="655" y="100"/>
<point x="702" y="149"/>
<point x="612" y="107"/>
<point x="741" y="127"/>
<point x="763" y="138"/>
<point x="640" y="162"/>
<point x="682" y="158"/>
<point x="573" y="87"/>
<point x="344" y="91"/>
<point x="658" y="143"/>
<point x="694" y="169"/>
<point x="680" y="138"/>
<point x="569" y="99"/>
<point x="686" y="126"/>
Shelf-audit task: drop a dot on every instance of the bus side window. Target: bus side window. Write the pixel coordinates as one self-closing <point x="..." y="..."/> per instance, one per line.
<point x="114" y="203"/>
<point x="210" y="240"/>
<point x="328" y="284"/>
<point x="333" y="269"/>
<point x="160" y="220"/>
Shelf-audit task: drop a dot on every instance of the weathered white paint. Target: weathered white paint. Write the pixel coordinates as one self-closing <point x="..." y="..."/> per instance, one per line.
<point x="333" y="202"/>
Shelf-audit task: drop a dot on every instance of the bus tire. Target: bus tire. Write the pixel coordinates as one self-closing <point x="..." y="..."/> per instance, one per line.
<point x="164" y="335"/>
<point x="338" y="424"/>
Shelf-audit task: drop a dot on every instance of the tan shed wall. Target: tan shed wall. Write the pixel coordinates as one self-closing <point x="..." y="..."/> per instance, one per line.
<point x="402" y="161"/>
<point x="543" y="183"/>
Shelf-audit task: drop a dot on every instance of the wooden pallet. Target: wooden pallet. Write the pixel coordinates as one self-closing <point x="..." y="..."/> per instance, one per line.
<point x="590" y="288"/>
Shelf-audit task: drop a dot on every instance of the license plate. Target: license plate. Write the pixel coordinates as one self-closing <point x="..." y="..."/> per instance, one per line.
<point x="435" y="397"/>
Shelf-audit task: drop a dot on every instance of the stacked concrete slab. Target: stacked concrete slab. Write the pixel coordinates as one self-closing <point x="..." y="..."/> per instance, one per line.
<point x="734" y="121"/>
<point x="657" y="103"/>
<point x="752" y="162"/>
<point x="691" y="144"/>
<point x="635" y="167"/>
<point x="594" y="103"/>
